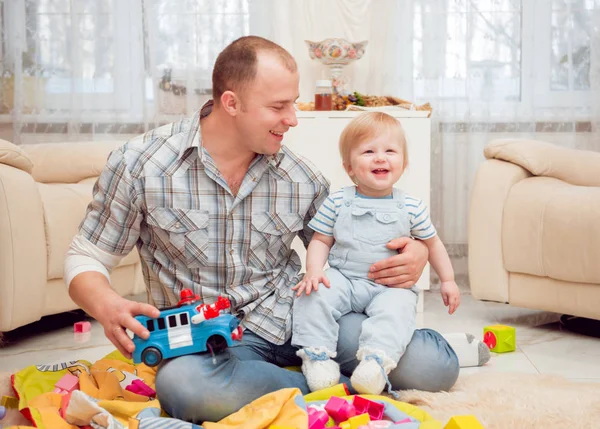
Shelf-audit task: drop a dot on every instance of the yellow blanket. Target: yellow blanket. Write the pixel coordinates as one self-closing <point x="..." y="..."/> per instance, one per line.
<point x="103" y="399"/>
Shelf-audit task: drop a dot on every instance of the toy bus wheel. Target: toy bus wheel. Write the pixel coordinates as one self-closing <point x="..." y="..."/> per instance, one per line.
<point x="217" y="343"/>
<point x="151" y="356"/>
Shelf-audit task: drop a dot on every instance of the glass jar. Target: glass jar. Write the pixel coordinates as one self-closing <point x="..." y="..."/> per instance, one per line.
<point x="323" y="95"/>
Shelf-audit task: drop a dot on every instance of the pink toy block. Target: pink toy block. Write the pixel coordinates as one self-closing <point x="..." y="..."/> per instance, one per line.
<point x="364" y="405"/>
<point x="406" y="420"/>
<point x="66" y="384"/>
<point x="339" y="409"/>
<point x="81" y="327"/>
<point x="317" y="419"/>
<point x="141" y="388"/>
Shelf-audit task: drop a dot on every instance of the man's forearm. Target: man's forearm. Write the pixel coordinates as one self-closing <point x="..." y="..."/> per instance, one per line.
<point x="90" y="290"/>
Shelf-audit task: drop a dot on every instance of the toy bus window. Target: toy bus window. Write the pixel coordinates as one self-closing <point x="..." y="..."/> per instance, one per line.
<point x="161" y="323"/>
<point x="172" y="321"/>
<point x="150" y="325"/>
<point x="184" y="319"/>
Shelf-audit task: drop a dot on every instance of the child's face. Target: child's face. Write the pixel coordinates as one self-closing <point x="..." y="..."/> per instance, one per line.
<point x="376" y="164"/>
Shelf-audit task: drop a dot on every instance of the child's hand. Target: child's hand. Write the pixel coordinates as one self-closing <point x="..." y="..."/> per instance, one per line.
<point x="451" y="296"/>
<point x="311" y="282"/>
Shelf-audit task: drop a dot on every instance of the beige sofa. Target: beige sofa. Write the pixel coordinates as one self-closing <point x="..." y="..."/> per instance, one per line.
<point x="534" y="228"/>
<point x="44" y="193"/>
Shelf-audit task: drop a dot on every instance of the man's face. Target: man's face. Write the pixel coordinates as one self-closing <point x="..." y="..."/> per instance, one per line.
<point x="267" y="110"/>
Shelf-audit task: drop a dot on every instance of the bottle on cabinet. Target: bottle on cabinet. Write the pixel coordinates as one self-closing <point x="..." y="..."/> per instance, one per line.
<point x="323" y="95"/>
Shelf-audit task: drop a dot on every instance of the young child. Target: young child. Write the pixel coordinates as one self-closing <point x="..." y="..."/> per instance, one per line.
<point x="352" y="228"/>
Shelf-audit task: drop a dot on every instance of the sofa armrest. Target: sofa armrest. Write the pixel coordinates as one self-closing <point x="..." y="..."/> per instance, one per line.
<point x="23" y="260"/>
<point x="493" y="182"/>
<point x="68" y="162"/>
<point x="577" y="167"/>
<point x="12" y="155"/>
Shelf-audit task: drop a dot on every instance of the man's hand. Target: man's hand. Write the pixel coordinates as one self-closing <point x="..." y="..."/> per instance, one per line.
<point x="117" y="315"/>
<point x="310" y="282"/>
<point x="402" y="270"/>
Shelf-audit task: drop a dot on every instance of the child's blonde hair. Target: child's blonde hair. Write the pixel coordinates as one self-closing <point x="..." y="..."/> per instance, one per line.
<point x="368" y="126"/>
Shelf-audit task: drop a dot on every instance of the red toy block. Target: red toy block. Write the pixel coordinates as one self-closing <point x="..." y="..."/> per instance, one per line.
<point x="66" y="384"/>
<point x="339" y="409"/>
<point x="317" y="419"/>
<point x="81" y="327"/>
<point x="364" y="405"/>
<point x="141" y="388"/>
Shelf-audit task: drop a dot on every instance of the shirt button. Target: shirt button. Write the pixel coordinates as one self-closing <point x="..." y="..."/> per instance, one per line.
<point x="386" y="217"/>
<point x="178" y="225"/>
<point x="348" y="203"/>
<point x="277" y="227"/>
<point x="231" y="251"/>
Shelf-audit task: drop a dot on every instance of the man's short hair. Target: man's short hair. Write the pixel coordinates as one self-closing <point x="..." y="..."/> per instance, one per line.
<point x="235" y="67"/>
<point x="368" y="126"/>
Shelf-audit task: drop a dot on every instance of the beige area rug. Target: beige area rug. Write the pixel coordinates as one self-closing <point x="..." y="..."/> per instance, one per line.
<point x="502" y="400"/>
<point x="515" y="401"/>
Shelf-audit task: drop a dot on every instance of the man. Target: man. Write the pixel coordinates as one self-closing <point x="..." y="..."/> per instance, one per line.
<point x="213" y="203"/>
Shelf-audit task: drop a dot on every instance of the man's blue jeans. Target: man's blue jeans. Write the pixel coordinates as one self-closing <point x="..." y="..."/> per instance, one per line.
<point x="195" y="389"/>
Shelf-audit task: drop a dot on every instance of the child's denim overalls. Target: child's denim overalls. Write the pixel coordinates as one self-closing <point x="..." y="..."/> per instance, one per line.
<point x="361" y="231"/>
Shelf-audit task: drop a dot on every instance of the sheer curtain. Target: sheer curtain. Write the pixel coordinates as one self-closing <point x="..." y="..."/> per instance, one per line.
<point x="98" y="69"/>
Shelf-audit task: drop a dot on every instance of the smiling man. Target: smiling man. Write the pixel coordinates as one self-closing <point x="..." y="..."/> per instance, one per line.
<point x="212" y="204"/>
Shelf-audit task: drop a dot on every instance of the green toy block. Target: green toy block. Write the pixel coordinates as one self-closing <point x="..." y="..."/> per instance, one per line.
<point x="463" y="422"/>
<point x="500" y="338"/>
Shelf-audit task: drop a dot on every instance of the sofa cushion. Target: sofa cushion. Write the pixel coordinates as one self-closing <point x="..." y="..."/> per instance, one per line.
<point x="11" y="154"/>
<point x="68" y="162"/>
<point x="65" y="206"/>
<point x="551" y="229"/>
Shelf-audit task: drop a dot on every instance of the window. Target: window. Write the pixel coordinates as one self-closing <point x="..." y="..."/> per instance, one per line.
<point x="161" y="323"/>
<point x="150" y="325"/>
<point x="514" y="53"/>
<point x="172" y="321"/>
<point x="184" y="319"/>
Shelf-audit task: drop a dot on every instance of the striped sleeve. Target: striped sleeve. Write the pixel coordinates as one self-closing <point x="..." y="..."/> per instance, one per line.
<point x="327" y="214"/>
<point x="420" y="222"/>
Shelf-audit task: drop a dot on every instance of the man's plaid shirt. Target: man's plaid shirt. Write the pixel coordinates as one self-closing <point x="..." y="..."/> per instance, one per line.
<point x="162" y="192"/>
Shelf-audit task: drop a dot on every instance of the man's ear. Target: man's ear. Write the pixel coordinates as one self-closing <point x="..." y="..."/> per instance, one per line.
<point x="231" y="103"/>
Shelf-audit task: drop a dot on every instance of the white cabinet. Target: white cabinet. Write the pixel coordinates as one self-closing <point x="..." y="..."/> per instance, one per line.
<point x="317" y="136"/>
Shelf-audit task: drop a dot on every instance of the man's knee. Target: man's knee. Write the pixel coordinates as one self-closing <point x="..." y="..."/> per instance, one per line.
<point x="185" y="386"/>
<point x="429" y="363"/>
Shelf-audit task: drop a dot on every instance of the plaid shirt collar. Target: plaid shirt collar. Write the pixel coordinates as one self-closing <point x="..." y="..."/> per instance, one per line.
<point x="193" y="138"/>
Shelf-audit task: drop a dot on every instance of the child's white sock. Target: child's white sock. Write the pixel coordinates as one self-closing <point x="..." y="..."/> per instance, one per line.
<point x="319" y="369"/>
<point x="470" y="351"/>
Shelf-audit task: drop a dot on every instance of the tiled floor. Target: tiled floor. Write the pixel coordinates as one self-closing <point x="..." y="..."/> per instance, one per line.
<point x="542" y="346"/>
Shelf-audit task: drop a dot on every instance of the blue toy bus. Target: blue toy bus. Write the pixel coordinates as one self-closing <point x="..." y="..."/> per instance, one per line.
<point x="190" y="327"/>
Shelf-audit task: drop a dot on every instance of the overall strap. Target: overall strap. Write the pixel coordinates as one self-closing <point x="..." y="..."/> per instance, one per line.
<point x="349" y="194"/>
<point x="399" y="197"/>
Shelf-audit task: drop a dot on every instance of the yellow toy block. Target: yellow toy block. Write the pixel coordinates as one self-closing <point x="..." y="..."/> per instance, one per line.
<point x="463" y="422"/>
<point x="324" y="394"/>
<point x="356" y="421"/>
<point x="10" y="402"/>
<point x="500" y="338"/>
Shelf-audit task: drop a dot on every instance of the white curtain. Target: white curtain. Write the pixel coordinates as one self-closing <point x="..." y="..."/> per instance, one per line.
<point x="96" y="69"/>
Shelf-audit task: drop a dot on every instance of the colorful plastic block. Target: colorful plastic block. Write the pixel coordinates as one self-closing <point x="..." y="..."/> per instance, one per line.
<point x="339" y="409"/>
<point x="10" y="402"/>
<point x="81" y="327"/>
<point x="500" y="338"/>
<point x="66" y="384"/>
<point x="141" y="388"/>
<point x="406" y="420"/>
<point x="324" y="394"/>
<point x="355" y="422"/>
<point x="463" y="422"/>
<point x="364" y="405"/>
<point x="317" y="419"/>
